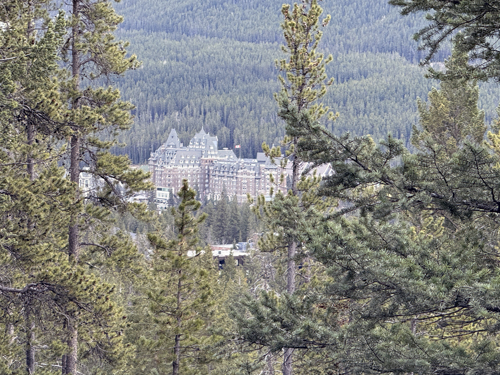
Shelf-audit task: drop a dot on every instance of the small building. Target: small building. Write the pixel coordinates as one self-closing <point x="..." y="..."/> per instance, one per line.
<point x="161" y="198"/>
<point x="87" y="182"/>
<point x="222" y="252"/>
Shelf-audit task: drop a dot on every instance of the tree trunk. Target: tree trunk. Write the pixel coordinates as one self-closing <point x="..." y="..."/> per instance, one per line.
<point x="288" y="354"/>
<point x="29" y="323"/>
<point x="292" y="252"/>
<point x="413" y="326"/>
<point x="70" y="359"/>
<point x="63" y="363"/>
<point x="74" y="177"/>
<point x="177" y="342"/>
<point x="177" y="355"/>
<point x="287" y="362"/>
<point x="30" y="168"/>
<point x="30" y="342"/>
<point x="290" y="272"/>
<point x="31" y="138"/>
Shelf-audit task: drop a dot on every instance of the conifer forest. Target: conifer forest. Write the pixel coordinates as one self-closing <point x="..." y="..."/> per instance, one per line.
<point x="388" y="265"/>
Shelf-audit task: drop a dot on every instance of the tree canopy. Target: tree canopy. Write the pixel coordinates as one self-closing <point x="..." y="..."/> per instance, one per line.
<point x="473" y="25"/>
<point x="387" y="266"/>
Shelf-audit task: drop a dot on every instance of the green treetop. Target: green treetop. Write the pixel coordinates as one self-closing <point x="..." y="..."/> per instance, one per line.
<point x="407" y="252"/>
<point x="93" y="115"/>
<point x="42" y="104"/>
<point x="181" y="297"/>
<point x="303" y="83"/>
<point x="452" y="115"/>
<point x="476" y="19"/>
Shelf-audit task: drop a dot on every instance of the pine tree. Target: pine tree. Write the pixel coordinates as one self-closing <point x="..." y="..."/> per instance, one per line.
<point x="35" y="194"/>
<point x="452" y="116"/>
<point x="229" y="355"/>
<point x="181" y="298"/>
<point x="407" y="251"/>
<point x="304" y="83"/>
<point x="220" y="221"/>
<point x="477" y="21"/>
<point x="206" y="227"/>
<point x="234" y="221"/>
<point x="93" y="114"/>
<point x="34" y="120"/>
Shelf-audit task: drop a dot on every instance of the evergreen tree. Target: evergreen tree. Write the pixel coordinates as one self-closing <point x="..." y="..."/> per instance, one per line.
<point x="305" y="81"/>
<point x="477" y="20"/>
<point x="391" y="250"/>
<point x="220" y="223"/>
<point x="234" y="221"/>
<point x="230" y="356"/>
<point x="94" y="112"/>
<point x="452" y="116"/>
<point x="34" y="193"/>
<point x="181" y="298"/>
<point x="246" y="222"/>
<point x="206" y="227"/>
<point x="54" y="291"/>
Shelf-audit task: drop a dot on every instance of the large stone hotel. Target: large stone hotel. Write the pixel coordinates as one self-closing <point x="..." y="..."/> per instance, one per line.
<point x="210" y="171"/>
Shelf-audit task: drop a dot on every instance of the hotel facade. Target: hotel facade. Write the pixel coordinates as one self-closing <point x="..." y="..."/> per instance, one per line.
<point x="211" y="171"/>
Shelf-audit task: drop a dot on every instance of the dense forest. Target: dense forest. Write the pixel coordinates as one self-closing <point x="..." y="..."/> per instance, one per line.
<point x="390" y="265"/>
<point x="212" y="63"/>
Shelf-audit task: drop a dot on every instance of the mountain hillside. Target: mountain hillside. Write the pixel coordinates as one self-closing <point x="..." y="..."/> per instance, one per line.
<point x="211" y="63"/>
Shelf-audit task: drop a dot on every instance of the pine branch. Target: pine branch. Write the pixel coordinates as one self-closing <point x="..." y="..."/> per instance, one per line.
<point x="32" y="287"/>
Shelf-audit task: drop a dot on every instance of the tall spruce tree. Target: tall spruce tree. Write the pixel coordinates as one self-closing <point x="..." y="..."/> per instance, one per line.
<point x="93" y="117"/>
<point x="63" y="295"/>
<point x="181" y="297"/>
<point x="34" y="192"/>
<point x="303" y="83"/>
<point x="221" y="220"/>
<point x="234" y="227"/>
<point x="414" y="263"/>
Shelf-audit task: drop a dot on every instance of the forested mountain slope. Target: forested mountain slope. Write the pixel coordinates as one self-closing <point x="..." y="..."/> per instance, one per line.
<point x="211" y="63"/>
